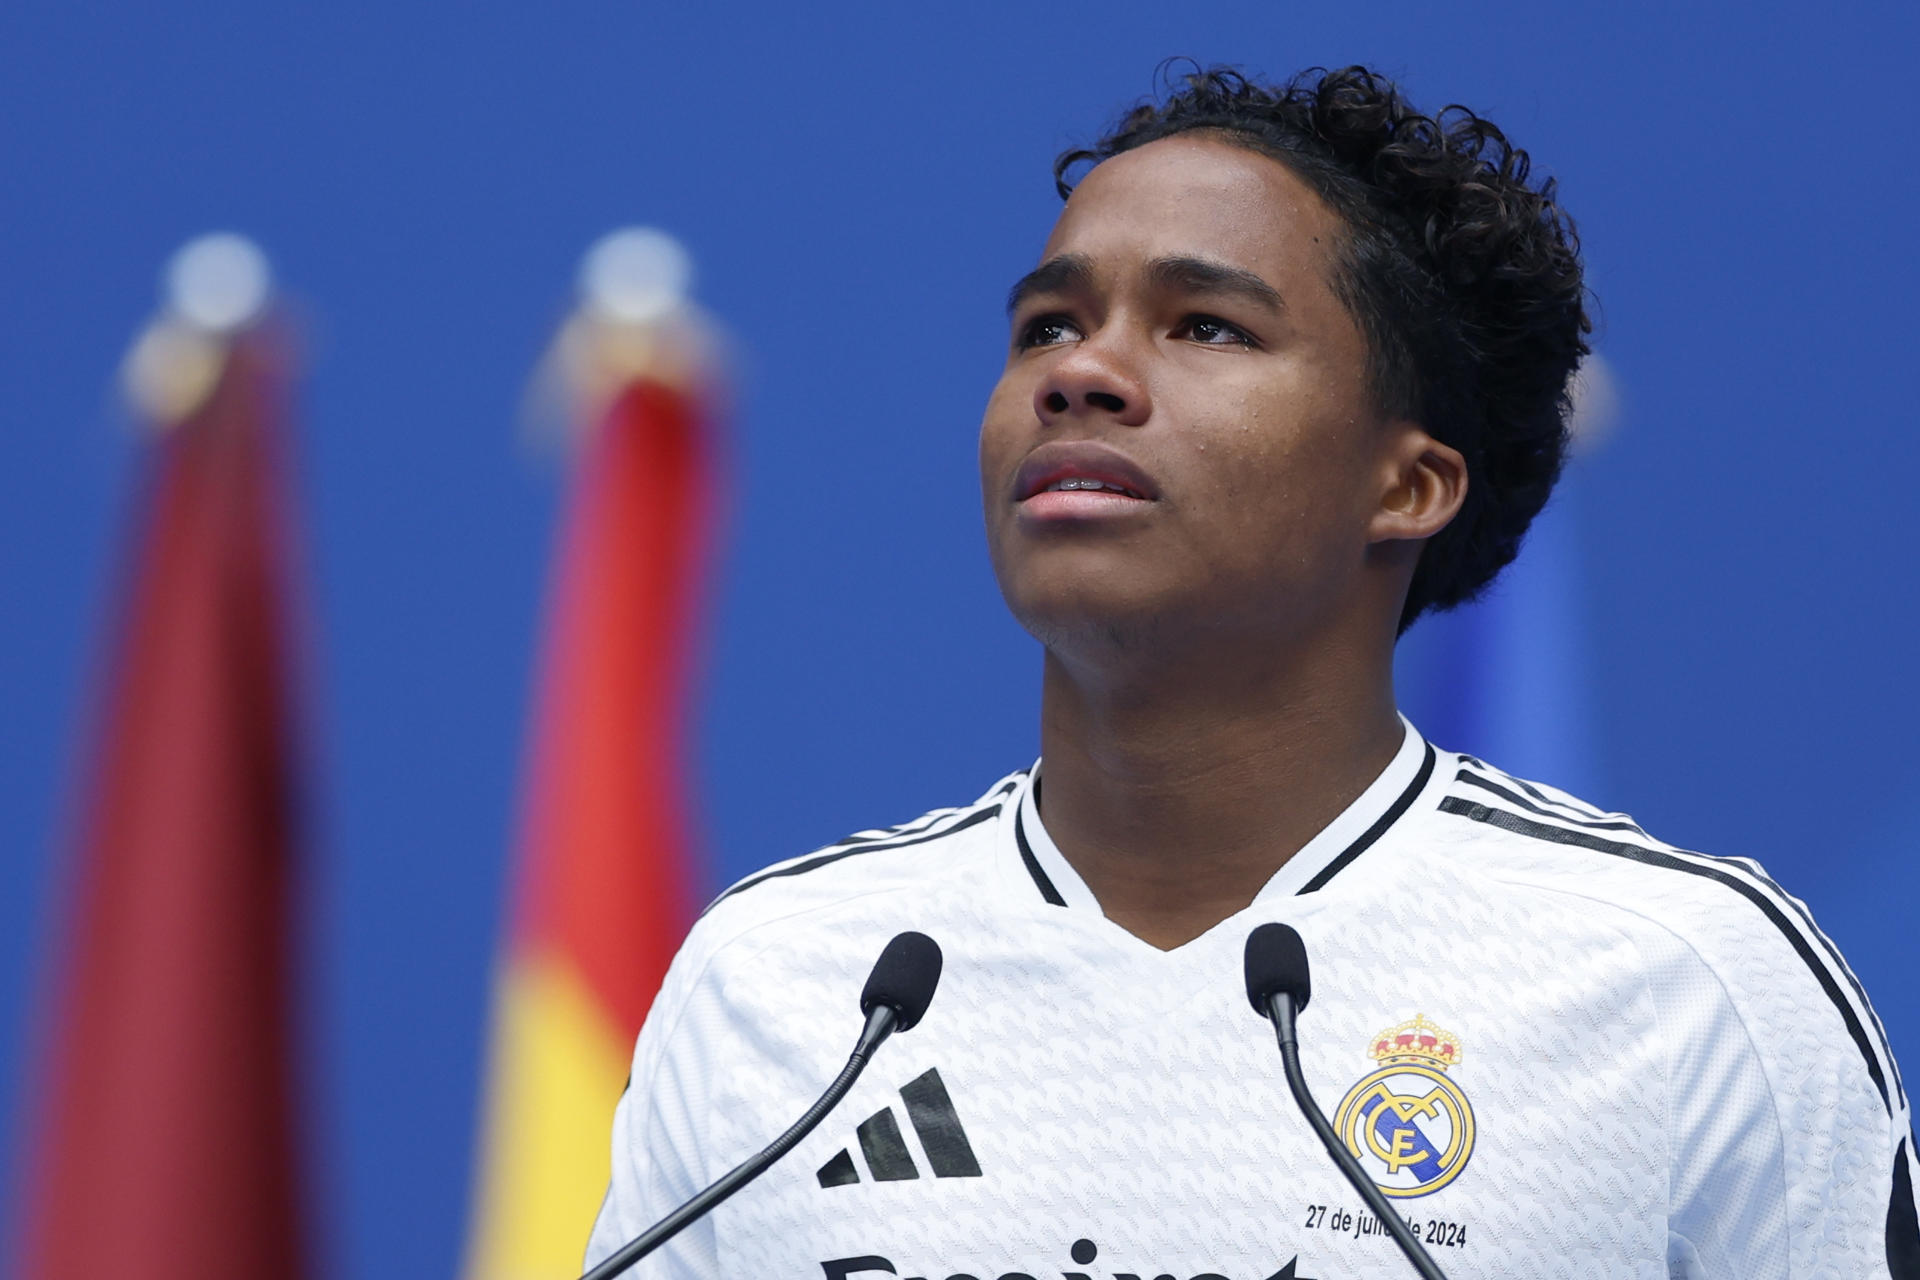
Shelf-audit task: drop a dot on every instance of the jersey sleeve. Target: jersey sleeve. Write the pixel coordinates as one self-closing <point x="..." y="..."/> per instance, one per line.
<point x="1792" y="1150"/>
<point x="659" y="1134"/>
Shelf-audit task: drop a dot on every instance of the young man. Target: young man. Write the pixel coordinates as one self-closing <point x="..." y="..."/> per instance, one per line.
<point x="1291" y="371"/>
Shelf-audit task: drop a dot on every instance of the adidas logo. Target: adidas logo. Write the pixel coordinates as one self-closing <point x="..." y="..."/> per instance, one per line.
<point x="930" y="1112"/>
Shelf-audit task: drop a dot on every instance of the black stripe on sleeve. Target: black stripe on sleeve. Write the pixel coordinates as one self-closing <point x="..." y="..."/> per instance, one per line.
<point x="1749" y="867"/>
<point x="883" y="834"/>
<point x="1595" y="824"/>
<point x="1746" y="865"/>
<point x="1040" y="880"/>
<point x="1753" y="869"/>
<point x="973" y="819"/>
<point x="1378" y="829"/>
<point x="1581" y="809"/>
<point x="1903" y="1222"/>
<point x="925" y="822"/>
<point x="1657" y="858"/>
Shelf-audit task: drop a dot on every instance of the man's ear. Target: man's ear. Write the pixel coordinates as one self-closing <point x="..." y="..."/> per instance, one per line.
<point x="1422" y="485"/>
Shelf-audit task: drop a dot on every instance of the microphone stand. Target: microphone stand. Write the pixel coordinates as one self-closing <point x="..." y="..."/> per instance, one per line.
<point x="1280" y="1012"/>
<point x="881" y="1023"/>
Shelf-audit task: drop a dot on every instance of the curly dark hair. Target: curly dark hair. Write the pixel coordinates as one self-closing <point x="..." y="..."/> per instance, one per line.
<point x="1463" y="275"/>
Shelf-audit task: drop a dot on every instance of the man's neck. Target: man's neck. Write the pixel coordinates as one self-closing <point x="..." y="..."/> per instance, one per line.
<point x="1177" y="799"/>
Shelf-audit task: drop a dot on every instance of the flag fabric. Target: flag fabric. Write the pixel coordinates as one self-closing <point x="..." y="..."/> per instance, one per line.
<point x="605" y="877"/>
<point x="166" y="1135"/>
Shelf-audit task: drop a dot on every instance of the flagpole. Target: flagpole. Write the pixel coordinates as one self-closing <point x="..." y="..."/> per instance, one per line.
<point x="168" y="1134"/>
<point x="605" y="874"/>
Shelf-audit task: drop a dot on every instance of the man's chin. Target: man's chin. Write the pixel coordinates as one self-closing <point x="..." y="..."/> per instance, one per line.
<point x="1092" y="625"/>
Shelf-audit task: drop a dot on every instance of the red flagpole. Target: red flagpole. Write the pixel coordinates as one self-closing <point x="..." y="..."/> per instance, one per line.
<point x="605" y="872"/>
<point x="167" y="1132"/>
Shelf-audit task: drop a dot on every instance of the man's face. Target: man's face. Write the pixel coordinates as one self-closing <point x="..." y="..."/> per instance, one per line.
<point x="1182" y="442"/>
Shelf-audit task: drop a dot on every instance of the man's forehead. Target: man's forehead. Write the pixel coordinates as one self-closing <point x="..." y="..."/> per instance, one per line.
<point x="1189" y="196"/>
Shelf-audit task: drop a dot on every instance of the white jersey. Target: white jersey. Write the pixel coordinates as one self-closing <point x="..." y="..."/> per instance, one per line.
<point x="1562" y="1048"/>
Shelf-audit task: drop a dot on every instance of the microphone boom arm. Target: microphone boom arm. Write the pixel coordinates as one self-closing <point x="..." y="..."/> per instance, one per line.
<point x="882" y="1021"/>
<point x="1280" y="1011"/>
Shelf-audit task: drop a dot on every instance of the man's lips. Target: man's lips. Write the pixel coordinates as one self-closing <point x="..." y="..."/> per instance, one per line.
<point x="1080" y="475"/>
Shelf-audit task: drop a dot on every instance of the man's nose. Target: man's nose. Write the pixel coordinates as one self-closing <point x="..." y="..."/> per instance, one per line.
<point x="1099" y="378"/>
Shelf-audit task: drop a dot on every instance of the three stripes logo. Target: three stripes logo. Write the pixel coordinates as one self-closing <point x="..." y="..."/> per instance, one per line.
<point x="930" y="1112"/>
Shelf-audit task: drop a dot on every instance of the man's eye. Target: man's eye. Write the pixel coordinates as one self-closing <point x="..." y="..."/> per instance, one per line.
<point x="1214" y="332"/>
<point x="1047" y="331"/>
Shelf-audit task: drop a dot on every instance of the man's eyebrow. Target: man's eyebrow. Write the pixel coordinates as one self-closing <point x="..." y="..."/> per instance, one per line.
<point x="1199" y="275"/>
<point x="1187" y="274"/>
<point x="1055" y="275"/>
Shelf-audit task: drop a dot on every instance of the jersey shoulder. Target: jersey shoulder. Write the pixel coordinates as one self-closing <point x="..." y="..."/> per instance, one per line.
<point x="1534" y="831"/>
<point x="936" y="849"/>
<point x="1760" y="942"/>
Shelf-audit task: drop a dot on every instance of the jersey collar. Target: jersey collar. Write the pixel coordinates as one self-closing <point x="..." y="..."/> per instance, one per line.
<point x="1361" y="825"/>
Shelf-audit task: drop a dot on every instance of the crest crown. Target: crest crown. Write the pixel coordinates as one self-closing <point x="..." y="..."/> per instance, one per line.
<point x="1417" y="1041"/>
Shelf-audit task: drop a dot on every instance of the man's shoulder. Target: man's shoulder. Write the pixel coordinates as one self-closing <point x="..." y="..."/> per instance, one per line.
<point x="1530" y="832"/>
<point x="936" y="850"/>
<point x="1533" y="825"/>
<point x="1758" y="942"/>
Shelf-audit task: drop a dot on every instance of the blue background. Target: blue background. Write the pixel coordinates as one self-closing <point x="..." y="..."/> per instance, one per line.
<point x="858" y="186"/>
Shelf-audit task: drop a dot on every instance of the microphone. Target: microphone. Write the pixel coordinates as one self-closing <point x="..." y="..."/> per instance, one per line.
<point x="1278" y="986"/>
<point x="902" y="980"/>
<point x="895" y="998"/>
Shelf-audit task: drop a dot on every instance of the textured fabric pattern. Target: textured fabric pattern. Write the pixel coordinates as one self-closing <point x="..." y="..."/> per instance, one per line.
<point x="1563" y="1060"/>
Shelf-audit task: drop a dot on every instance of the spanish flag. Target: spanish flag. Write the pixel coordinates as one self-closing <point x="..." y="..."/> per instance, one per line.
<point x="605" y="879"/>
<point x="167" y="1143"/>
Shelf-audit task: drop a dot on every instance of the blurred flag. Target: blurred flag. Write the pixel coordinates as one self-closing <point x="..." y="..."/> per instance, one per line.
<point x="166" y="1141"/>
<point x="1508" y="677"/>
<point x="605" y="875"/>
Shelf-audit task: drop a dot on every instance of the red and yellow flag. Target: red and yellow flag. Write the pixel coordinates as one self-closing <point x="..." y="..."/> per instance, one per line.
<point x="166" y="1131"/>
<point x="606" y="882"/>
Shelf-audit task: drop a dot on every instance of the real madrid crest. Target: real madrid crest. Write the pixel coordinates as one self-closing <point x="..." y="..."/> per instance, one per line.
<point x="1407" y="1123"/>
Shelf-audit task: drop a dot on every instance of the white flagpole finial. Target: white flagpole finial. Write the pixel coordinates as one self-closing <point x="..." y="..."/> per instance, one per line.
<point x="633" y="321"/>
<point x="213" y="287"/>
<point x="635" y="275"/>
<point x="218" y="283"/>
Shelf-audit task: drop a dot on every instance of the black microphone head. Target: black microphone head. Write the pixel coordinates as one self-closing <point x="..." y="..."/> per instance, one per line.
<point x="904" y="976"/>
<point x="1277" y="962"/>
